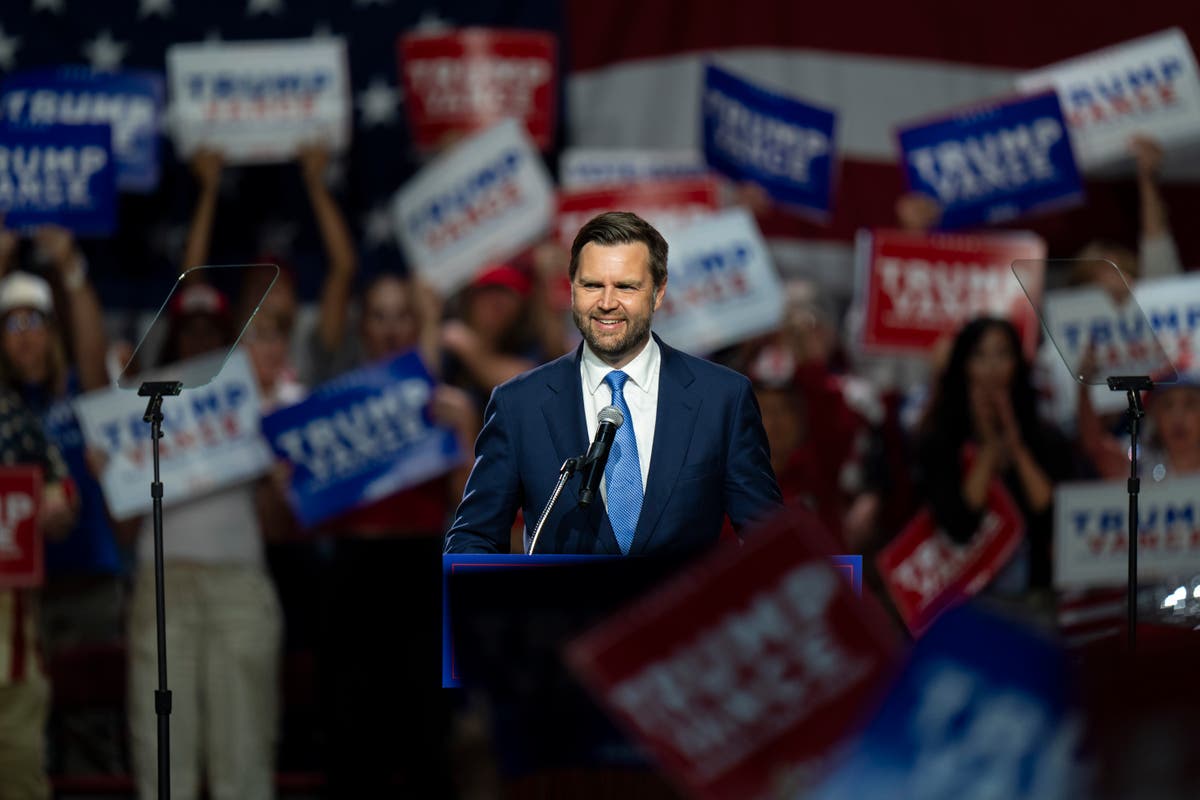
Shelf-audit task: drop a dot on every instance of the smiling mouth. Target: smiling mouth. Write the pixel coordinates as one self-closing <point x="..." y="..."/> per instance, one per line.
<point x="607" y="324"/>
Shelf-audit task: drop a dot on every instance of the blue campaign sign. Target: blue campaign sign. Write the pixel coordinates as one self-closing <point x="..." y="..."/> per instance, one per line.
<point x="58" y="174"/>
<point x="782" y="144"/>
<point x="994" y="163"/>
<point x="131" y="102"/>
<point x="90" y="547"/>
<point x="360" y="438"/>
<point x="981" y="710"/>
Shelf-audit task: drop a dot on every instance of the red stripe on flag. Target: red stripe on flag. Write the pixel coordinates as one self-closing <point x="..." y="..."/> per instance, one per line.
<point x="1019" y="35"/>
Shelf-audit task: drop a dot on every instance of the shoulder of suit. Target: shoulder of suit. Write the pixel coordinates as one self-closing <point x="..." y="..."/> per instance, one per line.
<point x="704" y="370"/>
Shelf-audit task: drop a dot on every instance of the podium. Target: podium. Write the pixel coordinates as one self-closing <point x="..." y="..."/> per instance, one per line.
<point x="506" y="620"/>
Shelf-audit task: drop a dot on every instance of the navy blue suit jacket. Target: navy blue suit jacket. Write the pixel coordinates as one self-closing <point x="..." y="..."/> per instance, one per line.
<point x="710" y="458"/>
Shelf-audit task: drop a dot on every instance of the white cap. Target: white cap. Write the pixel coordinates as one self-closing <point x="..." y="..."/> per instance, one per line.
<point x="24" y="290"/>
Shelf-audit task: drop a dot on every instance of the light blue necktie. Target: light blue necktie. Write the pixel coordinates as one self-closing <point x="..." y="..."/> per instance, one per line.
<point x="623" y="472"/>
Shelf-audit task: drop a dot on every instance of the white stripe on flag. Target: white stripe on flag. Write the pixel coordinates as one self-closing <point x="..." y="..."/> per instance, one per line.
<point x="655" y="102"/>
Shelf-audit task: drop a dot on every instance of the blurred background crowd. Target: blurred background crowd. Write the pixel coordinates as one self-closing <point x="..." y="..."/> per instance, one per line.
<point x="305" y="661"/>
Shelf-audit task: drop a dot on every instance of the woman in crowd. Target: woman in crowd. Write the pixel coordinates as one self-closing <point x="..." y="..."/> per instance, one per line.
<point x="1171" y="444"/>
<point x="386" y="720"/>
<point x="820" y="425"/>
<point x="53" y="350"/>
<point x="224" y="622"/>
<point x="24" y="690"/>
<point x="982" y="426"/>
<point x="385" y="712"/>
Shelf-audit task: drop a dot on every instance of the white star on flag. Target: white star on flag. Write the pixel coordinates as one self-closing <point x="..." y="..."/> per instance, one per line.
<point x="256" y="7"/>
<point x="276" y="237"/>
<point x="56" y="7"/>
<point x="377" y="227"/>
<point x="377" y="103"/>
<point x="8" y="50"/>
<point x="430" y="22"/>
<point x="168" y="240"/>
<point x="162" y="8"/>
<point x="104" y="52"/>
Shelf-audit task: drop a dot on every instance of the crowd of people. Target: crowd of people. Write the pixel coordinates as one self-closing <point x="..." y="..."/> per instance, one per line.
<point x="247" y="587"/>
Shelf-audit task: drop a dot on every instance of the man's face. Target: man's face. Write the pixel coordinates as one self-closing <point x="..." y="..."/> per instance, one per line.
<point x="613" y="299"/>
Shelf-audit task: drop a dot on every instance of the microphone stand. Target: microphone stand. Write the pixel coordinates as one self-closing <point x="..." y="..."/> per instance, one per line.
<point x="1133" y="386"/>
<point x="156" y="391"/>
<point x="564" y="474"/>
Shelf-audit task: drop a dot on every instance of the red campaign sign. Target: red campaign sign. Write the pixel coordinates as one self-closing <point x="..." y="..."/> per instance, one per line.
<point x="663" y="203"/>
<point x="465" y="80"/>
<point x="917" y="288"/>
<point x="21" y="551"/>
<point x="926" y="573"/>
<point x="743" y="674"/>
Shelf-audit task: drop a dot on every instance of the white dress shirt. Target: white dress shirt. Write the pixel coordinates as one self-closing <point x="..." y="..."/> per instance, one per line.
<point x="641" y="395"/>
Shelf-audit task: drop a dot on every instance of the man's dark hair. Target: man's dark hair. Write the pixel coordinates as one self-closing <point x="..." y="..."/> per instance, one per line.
<point x="622" y="227"/>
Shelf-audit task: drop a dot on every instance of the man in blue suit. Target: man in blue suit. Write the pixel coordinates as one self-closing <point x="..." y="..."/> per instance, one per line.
<point x="690" y="451"/>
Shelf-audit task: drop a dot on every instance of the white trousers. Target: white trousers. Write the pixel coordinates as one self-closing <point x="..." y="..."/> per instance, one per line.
<point x="224" y="633"/>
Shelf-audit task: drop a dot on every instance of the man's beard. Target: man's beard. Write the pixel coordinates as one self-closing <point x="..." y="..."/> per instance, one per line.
<point x="636" y="333"/>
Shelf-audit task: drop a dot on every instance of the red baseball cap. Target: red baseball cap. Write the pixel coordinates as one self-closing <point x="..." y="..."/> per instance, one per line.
<point x="198" y="298"/>
<point x="505" y="276"/>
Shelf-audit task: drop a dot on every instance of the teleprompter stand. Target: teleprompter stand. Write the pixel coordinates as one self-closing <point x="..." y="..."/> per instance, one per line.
<point x="156" y="391"/>
<point x="169" y="380"/>
<point x="1133" y="386"/>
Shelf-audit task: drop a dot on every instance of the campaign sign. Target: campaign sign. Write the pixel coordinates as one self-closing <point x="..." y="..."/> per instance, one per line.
<point x="925" y="572"/>
<point x="994" y="163"/>
<point x="1147" y="86"/>
<point x="361" y="437"/>
<point x="583" y="167"/>
<point x="484" y="200"/>
<point x="259" y="102"/>
<point x="466" y="80"/>
<point x="1091" y="531"/>
<point x="916" y="288"/>
<point x="782" y="144"/>
<point x="745" y="670"/>
<point x="722" y="286"/>
<point x="21" y="551"/>
<point x="210" y="436"/>
<point x="664" y="204"/>
<point x="58" y="175"/>
<point x="981" y="710"/>
<point x="130" y="102"/>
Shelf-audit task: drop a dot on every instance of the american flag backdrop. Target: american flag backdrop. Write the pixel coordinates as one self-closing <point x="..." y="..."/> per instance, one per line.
<point x="635" y="69"/>
<point x="262" y="209"/>
<point x="631" y="73"/>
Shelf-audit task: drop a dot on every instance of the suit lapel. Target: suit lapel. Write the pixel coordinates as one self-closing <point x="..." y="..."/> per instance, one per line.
<point x="673" y="425"/>
<point x="563" y="409"/>
<point x="564" y="415"/>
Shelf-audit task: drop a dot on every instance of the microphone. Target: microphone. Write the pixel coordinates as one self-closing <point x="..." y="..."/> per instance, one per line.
<point x="594" y="462"/>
